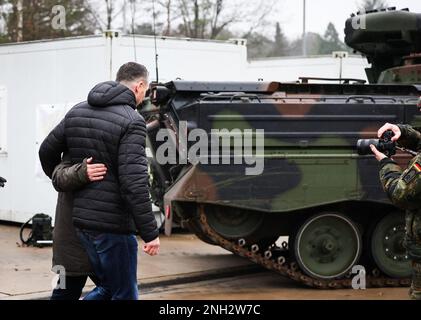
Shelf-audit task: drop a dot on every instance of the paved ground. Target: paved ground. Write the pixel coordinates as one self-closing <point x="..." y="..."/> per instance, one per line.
<point x="264" y="286"/>
<point x="25" y="272"/>
<point x="186" y="269"/>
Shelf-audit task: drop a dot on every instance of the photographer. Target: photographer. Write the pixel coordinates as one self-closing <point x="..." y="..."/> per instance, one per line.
<point x="404" y="189"/>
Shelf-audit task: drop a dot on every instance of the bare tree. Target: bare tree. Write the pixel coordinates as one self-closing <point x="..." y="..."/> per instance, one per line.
<point x="189" y="15"/>
<point x="216" y="25"/>
<point x="168" y="7"/>
<point x="209" y="18"/>
<point x="206" y="19"/>
<point x="369" y="5"/>
<point x="94" y="13"/>
<point x="112" y="13"/>
<point x="107" y="12"/>
<point x="265" y="8"/>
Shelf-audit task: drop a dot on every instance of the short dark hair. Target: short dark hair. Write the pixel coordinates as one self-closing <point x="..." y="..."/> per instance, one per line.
<point x="132" y="71"/>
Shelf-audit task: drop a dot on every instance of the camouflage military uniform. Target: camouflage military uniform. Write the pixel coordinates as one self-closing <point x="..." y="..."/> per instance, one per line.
<point x="404" y="190"/>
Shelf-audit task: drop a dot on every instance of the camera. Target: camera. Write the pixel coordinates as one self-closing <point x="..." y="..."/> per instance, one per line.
<point x="384" y="145"/>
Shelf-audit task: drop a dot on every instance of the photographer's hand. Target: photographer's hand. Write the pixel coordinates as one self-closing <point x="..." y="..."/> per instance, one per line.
<point x="379" y="156"/>
<point x="152" y="248"/>
<point x="397" y="132"/>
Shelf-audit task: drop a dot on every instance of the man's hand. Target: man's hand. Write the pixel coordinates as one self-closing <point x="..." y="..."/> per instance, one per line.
<point x="379" y="156"/>
<point x="152" y="248"/>
<point x="397" y="132"/>
<point x="95" y="172"/>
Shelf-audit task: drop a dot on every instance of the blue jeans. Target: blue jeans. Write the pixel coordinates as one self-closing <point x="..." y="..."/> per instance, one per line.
<point x="114" y="260"/>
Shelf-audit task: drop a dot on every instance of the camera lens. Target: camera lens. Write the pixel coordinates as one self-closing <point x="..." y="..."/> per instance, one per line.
<point x="363" y="146"/>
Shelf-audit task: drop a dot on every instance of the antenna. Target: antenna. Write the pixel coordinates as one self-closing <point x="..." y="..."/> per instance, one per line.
<point x="304" y="29"/>
<point x="133" y="7"/>
<point x="154" y="35"/>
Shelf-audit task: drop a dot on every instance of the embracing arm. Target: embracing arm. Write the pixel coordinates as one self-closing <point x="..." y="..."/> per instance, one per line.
<point x="67" y="177"/>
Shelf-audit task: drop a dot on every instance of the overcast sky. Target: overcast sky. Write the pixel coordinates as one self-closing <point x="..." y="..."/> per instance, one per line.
<point x="321" y="12"/>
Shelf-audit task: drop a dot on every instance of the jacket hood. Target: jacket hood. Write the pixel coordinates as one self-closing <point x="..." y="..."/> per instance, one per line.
<point x="111" y="93"/>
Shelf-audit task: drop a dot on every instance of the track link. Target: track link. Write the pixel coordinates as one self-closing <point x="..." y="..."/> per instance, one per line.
<point x="282" y="263"/>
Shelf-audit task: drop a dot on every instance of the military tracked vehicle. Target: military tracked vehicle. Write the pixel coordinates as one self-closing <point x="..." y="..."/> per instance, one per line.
<point x="313" y="187"/>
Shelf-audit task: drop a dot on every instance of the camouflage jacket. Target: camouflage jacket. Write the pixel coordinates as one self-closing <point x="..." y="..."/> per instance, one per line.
<point x="404" y="186"/>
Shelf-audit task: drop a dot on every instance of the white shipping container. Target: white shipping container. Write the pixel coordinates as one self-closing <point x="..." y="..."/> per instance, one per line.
<point x="40" y="81"/>
<point x="289" y="69"/>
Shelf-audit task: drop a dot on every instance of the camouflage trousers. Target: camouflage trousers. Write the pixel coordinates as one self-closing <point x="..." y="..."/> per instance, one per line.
<point x="413" y="246"/>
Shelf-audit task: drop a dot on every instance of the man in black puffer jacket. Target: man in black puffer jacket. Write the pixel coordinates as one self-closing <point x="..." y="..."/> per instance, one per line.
<point x="108" y="213"/>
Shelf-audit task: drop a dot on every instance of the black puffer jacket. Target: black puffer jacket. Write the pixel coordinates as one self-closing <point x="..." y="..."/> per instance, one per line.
<point x="108" y="129"/>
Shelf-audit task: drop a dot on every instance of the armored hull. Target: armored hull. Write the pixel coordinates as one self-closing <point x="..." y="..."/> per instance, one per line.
<point x="311" y="186"/>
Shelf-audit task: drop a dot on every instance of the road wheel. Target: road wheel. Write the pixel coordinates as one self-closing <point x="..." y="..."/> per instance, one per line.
<point x="387" y="247"/>
<point x="327" y="246"/>
<point x="234" y="223"/>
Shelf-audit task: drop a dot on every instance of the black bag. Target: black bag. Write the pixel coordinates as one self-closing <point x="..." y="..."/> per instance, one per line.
<point x="42" y="231"/>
